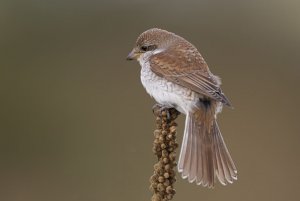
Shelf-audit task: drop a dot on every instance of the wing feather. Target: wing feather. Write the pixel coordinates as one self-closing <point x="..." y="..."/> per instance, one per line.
<point x="189" y="71"/>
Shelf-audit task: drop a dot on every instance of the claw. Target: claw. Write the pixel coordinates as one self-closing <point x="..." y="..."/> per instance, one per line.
<point x="158" y="109"/>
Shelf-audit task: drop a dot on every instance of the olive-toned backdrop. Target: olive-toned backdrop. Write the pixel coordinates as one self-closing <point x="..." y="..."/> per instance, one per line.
<point x="76" y="123"/>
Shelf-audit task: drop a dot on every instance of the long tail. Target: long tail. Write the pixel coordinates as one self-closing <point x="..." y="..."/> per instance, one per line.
<point x="204" y="155"/>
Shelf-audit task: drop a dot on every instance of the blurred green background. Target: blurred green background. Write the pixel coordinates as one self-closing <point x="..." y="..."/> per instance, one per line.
<point x="76" y="123"/>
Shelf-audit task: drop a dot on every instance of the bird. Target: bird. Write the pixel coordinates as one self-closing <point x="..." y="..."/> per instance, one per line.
<point x="175" y="74"/>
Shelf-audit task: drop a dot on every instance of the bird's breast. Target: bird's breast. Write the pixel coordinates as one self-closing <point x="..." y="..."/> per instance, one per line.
<point x="167" y="93"/>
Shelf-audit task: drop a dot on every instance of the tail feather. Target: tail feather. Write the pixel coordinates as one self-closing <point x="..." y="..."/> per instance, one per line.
<point x="185" y="162"/>
<point x="193" y="158"/>
<point x="226" y="156"/>
<point x="204" y="155"/>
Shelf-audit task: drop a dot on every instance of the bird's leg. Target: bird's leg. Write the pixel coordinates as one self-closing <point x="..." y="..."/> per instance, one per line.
<point x="158" y="109"/>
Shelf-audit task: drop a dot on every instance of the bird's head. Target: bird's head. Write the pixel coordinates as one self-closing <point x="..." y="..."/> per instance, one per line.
<point x="152" y="41"/>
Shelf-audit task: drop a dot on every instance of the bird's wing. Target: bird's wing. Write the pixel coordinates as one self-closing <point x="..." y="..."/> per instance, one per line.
<point x="190" y="71"/>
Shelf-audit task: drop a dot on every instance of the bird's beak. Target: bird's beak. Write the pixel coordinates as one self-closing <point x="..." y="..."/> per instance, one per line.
<point x="133" y="55"/>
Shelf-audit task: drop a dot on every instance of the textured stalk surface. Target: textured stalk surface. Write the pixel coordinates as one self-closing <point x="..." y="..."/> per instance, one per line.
<point x="164" y="147"/>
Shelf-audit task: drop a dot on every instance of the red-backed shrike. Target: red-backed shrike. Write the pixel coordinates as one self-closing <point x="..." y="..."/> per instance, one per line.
<point x="175" y="74"/>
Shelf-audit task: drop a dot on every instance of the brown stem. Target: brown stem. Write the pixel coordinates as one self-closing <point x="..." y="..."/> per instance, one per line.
<point x="164" y="147"/>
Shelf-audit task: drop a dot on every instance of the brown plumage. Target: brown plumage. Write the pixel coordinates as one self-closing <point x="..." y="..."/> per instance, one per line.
<point x="175" y="74"/>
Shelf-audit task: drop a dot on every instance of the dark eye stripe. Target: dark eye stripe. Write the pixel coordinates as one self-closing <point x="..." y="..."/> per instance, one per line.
<point x="146" y="48"/>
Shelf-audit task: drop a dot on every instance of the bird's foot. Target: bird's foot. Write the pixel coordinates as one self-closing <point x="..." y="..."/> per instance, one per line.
<point x="162" y="110"/>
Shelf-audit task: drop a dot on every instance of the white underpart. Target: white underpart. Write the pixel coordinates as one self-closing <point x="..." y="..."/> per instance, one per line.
<point x="164" y="92"/>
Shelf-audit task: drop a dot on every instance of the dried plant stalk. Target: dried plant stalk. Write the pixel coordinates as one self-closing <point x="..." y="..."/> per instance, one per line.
<point x="164" y="147"/>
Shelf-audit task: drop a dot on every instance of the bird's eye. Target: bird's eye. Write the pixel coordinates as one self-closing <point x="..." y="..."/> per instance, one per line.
<point x="146" y="48"/>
